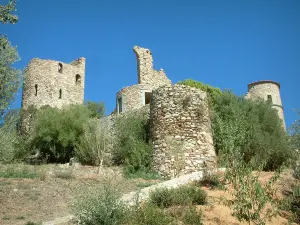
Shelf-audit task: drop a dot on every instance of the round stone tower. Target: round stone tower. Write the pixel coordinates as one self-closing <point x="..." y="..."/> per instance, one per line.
<point x="180" y="128"/>
<point x="53" y="83"/>
<point x="269" y="91"/>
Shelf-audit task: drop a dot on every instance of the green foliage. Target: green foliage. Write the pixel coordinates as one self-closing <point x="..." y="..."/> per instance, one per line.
<point x="97" y="110"/>
<point x="100" y="207"/>
<point x="55" y="131"/>
<point x="92" y="146"/>
<point x="132" y="148"/>
<point x="212" y="92"/>
<point x="292" y="203"/>
<point x="295" y="133"/>
<point x="183" y="195"/>
<point x="6" y="15"/>
<point x="18" y="171"/>
<point x="148" y="214"/>
<point x="8" y="139"/>
<point x="9" y="77"/>
<point x="192" y="217"/>
<point x="251" y="128"/>
<point x="249" y="196"/>
<point x="211" y="181"/>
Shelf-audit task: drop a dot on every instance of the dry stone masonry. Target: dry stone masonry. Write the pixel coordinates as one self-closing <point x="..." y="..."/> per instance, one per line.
<point x="268" y="91"/>
<point x="181" y="130"/>
<point x="179" y="115"/>
<point x="53" y="83"/>
<point x="146" y="73"/>
<point x="136" y="96"/>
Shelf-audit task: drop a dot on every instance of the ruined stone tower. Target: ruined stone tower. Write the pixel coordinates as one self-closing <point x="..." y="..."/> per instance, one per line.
<point x="53" y="83"/>
<point x="181" y="131"/>
<point x="269" y="91"/>
<point x="136" y="96"/>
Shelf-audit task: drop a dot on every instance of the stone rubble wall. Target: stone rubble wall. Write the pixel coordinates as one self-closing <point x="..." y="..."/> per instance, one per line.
<point x="44" y="74"/>
<point x="180" y="128"/>
<point x="132" y="96"/>
<point x="262" y="89"/>
<point x="146" y="73"/>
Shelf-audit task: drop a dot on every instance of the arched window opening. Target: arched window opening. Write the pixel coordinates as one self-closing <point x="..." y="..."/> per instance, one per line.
<point x="78" y="79"/>
<point x="270" y="99"/>
<point x="60" y="93"/>
<point x="36" y="89"/>
<point x="60" y="68"/>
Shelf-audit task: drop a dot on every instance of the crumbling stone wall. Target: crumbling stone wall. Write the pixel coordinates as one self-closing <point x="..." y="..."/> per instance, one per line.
<point x="181" y="130"/>
<point x="146" y="73"/>
<point x="268" y="91"/>
<point x="53" y="83"/>
<point x="133" y="97"/>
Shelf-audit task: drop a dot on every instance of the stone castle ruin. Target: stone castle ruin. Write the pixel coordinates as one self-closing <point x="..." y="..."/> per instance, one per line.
<point x="138" y="95"/>
<point x="180" y="124"/>
<point x="48" y="82"/>
<point x="269" y="91"/>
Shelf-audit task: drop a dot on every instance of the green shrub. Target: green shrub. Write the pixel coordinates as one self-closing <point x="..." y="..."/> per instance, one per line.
<point x="148" y="214"/>
<point x="249" y="197"/>
<point x="295" y="133"/>
<point x="182" y="195"/>
<point x="101" y="206"/>
<point x="292" y="203"/>
<point x="212" y="92"/>
<point x="251" y="128"/>
<point x="55" y="131"/>
<point x="18" y="171"/>
<point x="8" y="139"/>
<point x="191" y="216"/>
<point x="92" y="147"/>
<point x="132" y="147"/>
<point x="211" y="181"/>
<point x="97" y="110"/>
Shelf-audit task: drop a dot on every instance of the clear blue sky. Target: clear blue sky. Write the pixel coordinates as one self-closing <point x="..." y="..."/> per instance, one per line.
<point x="227" y="44"/>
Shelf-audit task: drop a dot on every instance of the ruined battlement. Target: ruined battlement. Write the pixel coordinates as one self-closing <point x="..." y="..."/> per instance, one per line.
<point x="53" y="83"/>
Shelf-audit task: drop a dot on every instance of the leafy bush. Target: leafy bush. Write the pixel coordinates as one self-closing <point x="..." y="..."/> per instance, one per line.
<point x="212" y="92"/>
<point x="191" y="216"/>
<point x="100" y="207"/>
<point x="212" y="181"/>
<point x="8" y="139"/>
<point x="92" y="146"/>
<point x="295" y="133"/>
<point x="292" y="203"/>
<point x="55" y="131"/>
<point x="250" y="197"/>
<point x="97" y="110"/>
<point x="148" y="214"/>
<point x="132" y="148"/>
<point x="182" y="195"/>
<point x="10" y="78"/>
<point x="251" y="128"/>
